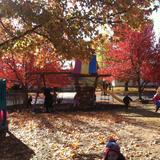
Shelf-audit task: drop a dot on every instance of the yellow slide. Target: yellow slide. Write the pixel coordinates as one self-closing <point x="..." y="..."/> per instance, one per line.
<point x="114" y="96"/>
<point x="111" y="93"/>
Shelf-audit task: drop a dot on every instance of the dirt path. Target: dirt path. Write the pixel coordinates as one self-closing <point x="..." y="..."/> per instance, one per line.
<point x="82" y="135"/>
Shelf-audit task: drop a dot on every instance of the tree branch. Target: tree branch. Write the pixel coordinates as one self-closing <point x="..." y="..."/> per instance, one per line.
<point x="20" y="36"/>
<point x="6" y="29"/>
<point x="43" y="35"/>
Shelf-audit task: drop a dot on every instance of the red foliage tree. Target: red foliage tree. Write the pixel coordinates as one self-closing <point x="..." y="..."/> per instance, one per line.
<point x="135" y="57"/>
<point x="18" y="67"/>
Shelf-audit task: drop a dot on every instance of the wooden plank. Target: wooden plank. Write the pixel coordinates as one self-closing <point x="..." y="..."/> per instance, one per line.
<point x="68" y="73"/>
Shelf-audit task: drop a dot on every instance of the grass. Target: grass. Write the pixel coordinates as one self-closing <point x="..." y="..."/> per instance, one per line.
<point x="131" y="89"/>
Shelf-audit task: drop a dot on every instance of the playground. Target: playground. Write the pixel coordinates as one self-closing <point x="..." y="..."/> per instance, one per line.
<point x="79" y="80"/>
<point x="78" y="123"/>
<point x="79" y="132"/>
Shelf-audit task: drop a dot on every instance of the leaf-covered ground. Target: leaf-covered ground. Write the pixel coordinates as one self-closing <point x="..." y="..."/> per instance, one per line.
<point x="82" y="135"/>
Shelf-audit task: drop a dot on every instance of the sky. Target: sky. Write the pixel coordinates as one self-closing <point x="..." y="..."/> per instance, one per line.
<point x="156" y="20"/>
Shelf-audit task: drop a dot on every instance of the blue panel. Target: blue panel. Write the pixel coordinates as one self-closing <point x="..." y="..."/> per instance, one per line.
<point x="93" y="65"/>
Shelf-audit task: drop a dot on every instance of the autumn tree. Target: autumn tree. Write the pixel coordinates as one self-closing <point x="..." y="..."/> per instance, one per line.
<point x="68" y="23"/>
<point x="30" y="56"/>
<point x="135" y="57"/>
<point x="152" y="68"/>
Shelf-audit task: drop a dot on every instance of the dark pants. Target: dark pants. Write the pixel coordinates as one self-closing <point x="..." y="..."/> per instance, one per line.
<point x="157" y="108"/>
<point x="126" y="105"/>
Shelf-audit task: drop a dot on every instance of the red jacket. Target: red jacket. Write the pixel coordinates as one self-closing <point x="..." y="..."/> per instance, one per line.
<point x="156" y="98"/>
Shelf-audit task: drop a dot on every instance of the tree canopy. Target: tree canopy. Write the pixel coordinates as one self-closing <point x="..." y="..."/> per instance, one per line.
<point x="30" y="56"/>
<point x="135" y="57"/>
<point x="70" y="25"/>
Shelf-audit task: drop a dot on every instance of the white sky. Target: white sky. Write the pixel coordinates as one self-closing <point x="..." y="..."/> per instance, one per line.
<point x="156" y="19"/>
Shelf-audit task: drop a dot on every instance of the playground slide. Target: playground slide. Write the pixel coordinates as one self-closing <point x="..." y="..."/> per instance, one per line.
<point x="111" y="93"/>
<point x="114" y="96"/>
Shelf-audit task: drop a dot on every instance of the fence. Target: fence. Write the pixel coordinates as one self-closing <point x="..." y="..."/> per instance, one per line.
<point x="15" y="98"/>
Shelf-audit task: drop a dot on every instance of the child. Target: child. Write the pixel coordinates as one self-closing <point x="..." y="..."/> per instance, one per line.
<point x="127" y="100"/>
<point x="156" y="99"/>
<point x="48" y="101"/>
<point x="112" y="151"/>
<point x="29" y="101"/>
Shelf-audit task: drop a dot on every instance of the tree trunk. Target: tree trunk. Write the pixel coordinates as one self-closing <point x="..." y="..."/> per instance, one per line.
<point x="144" y="85"/>
<point x="126" y="86"/>
<point x="139" y="89"/>
<point x="25" y="99"/>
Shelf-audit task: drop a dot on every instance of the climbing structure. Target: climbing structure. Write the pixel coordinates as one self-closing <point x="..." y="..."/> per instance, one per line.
<point x="84" y="76"/>
<point x="85" y="73"/>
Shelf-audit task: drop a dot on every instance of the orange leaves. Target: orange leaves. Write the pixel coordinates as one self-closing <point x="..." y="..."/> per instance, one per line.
<point x="82" y="135"/>
<point x="62" y="136"/>
<point x="74" y="146"/>
<point x="37" y="57"/>
<point x="75" y="19"/>
<point x="101" y="139"/>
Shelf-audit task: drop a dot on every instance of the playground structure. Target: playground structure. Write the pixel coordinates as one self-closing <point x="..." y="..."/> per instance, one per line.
<point x="115" y="97"/>
<point x="85" y="78"/>
<point x="3" y="109"/>
<point x="106" y="94"/>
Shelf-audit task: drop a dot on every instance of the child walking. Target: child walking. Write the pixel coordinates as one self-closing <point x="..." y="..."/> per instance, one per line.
<point x="156" y="99"/>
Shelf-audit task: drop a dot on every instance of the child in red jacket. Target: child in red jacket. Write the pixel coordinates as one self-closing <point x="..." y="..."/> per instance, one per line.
<point x="156" y="99"/>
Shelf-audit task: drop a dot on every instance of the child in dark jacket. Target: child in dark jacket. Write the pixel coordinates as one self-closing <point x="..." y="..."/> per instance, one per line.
<point x="127" y="100"/>
<point x="112" y="151"/>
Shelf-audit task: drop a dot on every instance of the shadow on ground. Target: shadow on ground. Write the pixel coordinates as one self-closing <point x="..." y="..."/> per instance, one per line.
<point x="68" y="108"/>
<point x="88" y="156"/>
<point x="138" y="110"/>
<point x="117" y="112"/>
<point x="12" y="148"/>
